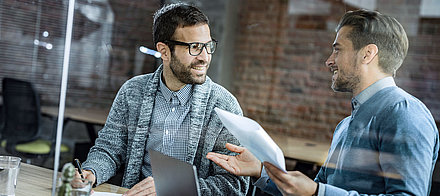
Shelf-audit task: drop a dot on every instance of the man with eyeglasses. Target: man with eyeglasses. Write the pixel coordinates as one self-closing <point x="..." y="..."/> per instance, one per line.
<point x="170" y="111"/>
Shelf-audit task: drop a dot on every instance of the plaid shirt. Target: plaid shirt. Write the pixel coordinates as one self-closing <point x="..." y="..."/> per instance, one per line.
<point x="123" y="139"/>
<point x="169" y="131"/>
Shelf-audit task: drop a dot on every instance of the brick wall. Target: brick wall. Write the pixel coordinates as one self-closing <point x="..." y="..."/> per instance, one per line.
<point x="278" y="46"/>
<point x="104" y="51"/>
<point x="280" y="77"/>
<point x="115" y="57"/>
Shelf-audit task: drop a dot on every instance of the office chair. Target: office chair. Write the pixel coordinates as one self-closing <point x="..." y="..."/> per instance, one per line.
<point x="21" y="131"/>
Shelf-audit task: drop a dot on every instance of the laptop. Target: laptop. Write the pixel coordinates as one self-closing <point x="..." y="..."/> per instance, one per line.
<point x="173" y="176"/>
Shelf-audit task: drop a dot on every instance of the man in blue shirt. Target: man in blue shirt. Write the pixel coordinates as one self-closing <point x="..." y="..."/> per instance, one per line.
<point x="389" y="143"/>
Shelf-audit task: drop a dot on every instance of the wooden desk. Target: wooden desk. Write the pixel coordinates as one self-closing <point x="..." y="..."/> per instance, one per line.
<point x="88" y="116"/>
<point x="302" y="149"/>
<point x="34" y="180"/>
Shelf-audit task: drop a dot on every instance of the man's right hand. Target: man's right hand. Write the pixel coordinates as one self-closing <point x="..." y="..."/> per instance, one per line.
<point x="244" y="164"/>
<point x="87" y="175"/>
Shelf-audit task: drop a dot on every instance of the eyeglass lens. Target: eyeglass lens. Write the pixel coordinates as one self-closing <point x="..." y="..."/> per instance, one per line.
<point x="196" y="48"/>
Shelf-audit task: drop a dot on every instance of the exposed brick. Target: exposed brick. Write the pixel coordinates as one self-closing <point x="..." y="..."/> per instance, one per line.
<point x="279" y="75"/>
<point x="295" y="47"/>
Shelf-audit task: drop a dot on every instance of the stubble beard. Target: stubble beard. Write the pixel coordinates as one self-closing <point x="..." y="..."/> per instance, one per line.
<point x="183" y="72"/>
<point x="347" y="82"/>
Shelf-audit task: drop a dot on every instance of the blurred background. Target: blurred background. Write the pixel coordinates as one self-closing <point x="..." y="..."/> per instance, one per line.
<point x="271" y="56"/>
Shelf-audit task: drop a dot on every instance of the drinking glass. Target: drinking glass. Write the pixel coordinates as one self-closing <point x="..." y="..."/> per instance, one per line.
<point x="9" y="168"/>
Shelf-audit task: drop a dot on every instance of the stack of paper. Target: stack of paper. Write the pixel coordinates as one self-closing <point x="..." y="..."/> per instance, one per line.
<point x="252" y="136"/>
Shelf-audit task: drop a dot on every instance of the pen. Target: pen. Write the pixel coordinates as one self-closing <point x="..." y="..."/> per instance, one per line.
<point x="78" y="165"/>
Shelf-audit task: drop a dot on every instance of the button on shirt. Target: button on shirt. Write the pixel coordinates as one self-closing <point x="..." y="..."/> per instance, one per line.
<point x="169" y="128"/>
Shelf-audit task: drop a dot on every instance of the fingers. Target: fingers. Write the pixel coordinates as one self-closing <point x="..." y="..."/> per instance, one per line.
<point x="273" y="169"/>
<point x="276" y="173"/>
<point x="235" y="148"/>
<point x="217" y="156"/>
<point x="77" y="183"/>
<point x="89" y="176"/>
<point x="144" y="187"/>
<point x="222" y="161"/>
<point x="77" y="175"/>
<point x="292" y="183"/>
<point x="272" y="173"/>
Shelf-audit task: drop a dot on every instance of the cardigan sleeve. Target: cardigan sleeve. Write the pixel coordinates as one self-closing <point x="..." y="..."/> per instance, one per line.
<point x="110" y="148"/>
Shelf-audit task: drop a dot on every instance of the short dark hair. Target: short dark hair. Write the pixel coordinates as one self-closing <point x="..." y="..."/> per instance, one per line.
<point x="169" y="17"/>
<point x="372" y="27"/>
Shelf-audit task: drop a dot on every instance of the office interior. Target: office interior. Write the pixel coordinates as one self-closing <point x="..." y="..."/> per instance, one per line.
<point x="270" y="55"/>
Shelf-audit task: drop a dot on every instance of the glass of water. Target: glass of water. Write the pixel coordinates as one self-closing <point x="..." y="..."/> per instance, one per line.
<point x="9" y="168"/>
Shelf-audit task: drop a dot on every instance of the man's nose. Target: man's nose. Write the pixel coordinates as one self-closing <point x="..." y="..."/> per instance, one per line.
<point x="330" y="61"/>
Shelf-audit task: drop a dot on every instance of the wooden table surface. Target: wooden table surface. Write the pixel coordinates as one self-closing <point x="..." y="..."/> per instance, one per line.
<point x="302" y="149"/>
<point x="88" y="116"/>
<point x="91" y="115"/>
<point x="34" y="180"/>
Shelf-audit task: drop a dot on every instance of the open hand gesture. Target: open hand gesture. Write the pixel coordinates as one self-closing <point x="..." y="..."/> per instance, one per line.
<point x="244" y="164"/>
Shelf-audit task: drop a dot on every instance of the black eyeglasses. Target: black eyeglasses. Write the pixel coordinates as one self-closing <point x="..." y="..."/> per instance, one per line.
<point x="195" y="48"/>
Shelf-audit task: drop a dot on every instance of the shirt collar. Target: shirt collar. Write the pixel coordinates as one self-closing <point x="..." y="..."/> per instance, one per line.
<point x="363" y="96"/>
<point x="183" y="94"/>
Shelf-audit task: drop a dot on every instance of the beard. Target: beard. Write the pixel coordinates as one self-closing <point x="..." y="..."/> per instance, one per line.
<point x="183" y="72"/>
<point x="347" y="81"/>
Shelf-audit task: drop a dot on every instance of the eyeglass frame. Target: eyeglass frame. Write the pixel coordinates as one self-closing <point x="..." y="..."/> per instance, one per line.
<point x="174" y="42"/>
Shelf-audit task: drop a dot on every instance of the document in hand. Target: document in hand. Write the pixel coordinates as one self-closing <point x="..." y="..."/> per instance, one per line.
<point x="252" y="136"/>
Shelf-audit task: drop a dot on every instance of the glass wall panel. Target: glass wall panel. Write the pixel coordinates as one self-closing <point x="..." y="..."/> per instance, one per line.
<point x="32" y="37"/>
<point x="270" y="55"/>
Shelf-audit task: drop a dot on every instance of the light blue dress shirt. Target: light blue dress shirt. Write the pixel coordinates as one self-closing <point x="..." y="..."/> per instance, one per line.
<point x="388" y="145"/>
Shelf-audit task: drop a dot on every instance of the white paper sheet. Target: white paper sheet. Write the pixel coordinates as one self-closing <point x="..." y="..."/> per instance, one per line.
<point x="105" y="194"/>
<point x="252" y="136"/>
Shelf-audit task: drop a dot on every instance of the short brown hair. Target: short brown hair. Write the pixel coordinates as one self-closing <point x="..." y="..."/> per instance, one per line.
<point x="372" y="27"/>
<point x="169" y="17"/>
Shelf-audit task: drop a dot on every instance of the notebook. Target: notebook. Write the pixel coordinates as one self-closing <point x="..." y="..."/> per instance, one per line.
<point x="172" y="176"/>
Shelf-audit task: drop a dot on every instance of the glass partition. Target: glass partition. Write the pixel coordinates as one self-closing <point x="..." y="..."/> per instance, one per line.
<point x="32" y="38"/>
<point x="270" y="55"/>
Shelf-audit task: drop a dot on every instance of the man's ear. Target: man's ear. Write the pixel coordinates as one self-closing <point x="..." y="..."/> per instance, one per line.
<point x="164" y="51"/>
<point x="369" y="53"/>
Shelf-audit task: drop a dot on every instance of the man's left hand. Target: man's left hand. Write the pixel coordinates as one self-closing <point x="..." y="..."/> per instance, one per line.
<point x="144" y="187"/>
<point x="292" y="183"/>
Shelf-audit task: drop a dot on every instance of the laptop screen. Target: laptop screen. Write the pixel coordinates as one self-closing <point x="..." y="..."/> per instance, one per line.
<point x="172" y="176"/>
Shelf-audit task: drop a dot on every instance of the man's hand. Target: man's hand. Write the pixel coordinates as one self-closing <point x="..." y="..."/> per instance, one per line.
<point x="244" y="164"/>
<point x="144" y="187"/>
<point x="292" y="183"/>
<point x="87" y="175"/>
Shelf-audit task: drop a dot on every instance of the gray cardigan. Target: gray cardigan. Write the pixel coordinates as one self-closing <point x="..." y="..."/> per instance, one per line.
<point x="125" y="134"/>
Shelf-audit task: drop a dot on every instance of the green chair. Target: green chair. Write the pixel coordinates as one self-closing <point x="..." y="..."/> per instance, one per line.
<point x="20" y="135"/>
